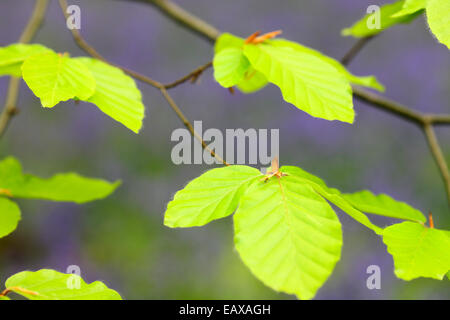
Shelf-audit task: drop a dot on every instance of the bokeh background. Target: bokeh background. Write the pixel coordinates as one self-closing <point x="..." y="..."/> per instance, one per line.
<point x="122" y="241"/>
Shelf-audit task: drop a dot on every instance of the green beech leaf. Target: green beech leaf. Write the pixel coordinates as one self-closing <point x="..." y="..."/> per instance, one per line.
<point x="410" y="7"/>
<point x="116" y="94"/>
<point x="418" y="251"/>
<point x="226" y="41"/>
<point x="4" y="298"/>
<point x="367" y="81"/>
<point x="68" y="187"/>
<point x="438" y="13"/>
<point x="213" y="195"/>
<point x="230" y="67"/>
<point x="287" y="235"/>
<point x="308" y="82"/>
<point x="332" y="195"/>
<point x="56" y="77"/>
<point x="383" y="205"/>
<point x="362" y="27"/>
<point x="52" y="285"/>
<point x="253" y="81"/>
<point x="247" y="81"/>
<point x="13" y="56"/>
<point x="9" y="216"/>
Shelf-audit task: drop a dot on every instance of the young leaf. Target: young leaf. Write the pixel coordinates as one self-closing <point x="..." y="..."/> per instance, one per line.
<point x="308" y="82"/>
<point x="52" y="285"/>
<point x="383" y="205"/>
<point x="253" y="81"/>
<point x="226" y="41"/>
<point x="411" y="6"/>
<point x="116" y="94"/>
<point x="332" y="195"/>
<point x="368" y="81"/>
<point x="213" y="195"/>
<point x="230" y="67"/>
<point x="55" y="77"/>
<point x="68" y="187"/>
<point x="418" y="251"/>
<point x="287" y="235"/>
<point x="9" y="216"/>
<point x="438" y="13"/>
<point x="364" y="27"/>
<point x="13" y="56"/>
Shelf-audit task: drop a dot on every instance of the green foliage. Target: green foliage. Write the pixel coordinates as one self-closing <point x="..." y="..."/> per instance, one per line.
<point x="362" y="28"/>
<point x="411" y="6"/>
<point x="306" y="81"/>
<point x="56" y="77"/>
<point x="384" y="205"/>
<point x="12" y="57"/>
<point x="9" y="216"/>
<point x="230" y="66"/>
<point x="52" y="285"/>
<point x="68" y="187"/>
<point x="315" y="83"/>
<point x="213" y="195"/>
<point x="285" y="230"/>
<point x="116" y="94"/>
<point x="288" y="236"/>
<point x="418" y="251"/>
<point x="438" y="13"/>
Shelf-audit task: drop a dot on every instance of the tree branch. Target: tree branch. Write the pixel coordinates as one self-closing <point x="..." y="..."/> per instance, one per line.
<point x="425" y="121"/>
<point x="84" y="45"/>
<point x="33" y="25"/>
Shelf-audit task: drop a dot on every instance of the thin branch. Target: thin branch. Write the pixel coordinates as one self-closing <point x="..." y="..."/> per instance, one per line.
<point x="351" y="54"/>
<point x="436" y="151"/>
<point x="193" y="76"/>
<point x="33" y="25"/>
<point x="185" y="19"/>
<point x="83" y="44"/>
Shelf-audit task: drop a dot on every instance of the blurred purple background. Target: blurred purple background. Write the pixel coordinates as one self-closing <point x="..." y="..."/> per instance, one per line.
<point x="122" y="240"/>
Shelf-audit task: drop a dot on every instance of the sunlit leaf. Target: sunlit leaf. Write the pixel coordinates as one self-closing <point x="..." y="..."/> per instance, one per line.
<point x="230" y="67"/>
<point x="52" y="285"/>
<point x="418" y="251"/>
<point x="213" y="195"/>
<point x="365" y="27"/>
<point x="13" y="56"/>
<point x="308" y="82"/>
<point x="116" y="94"/>
<point x="9" y="216"/>
<point x="288" y="236"/>
<point x="384" y="205"/>
<point x="56" y="77"/>
<point x="411" y="6"/>
<point x="68" y="187"/>
<point x="226" y="41"/>
<point x="438" y="13"/>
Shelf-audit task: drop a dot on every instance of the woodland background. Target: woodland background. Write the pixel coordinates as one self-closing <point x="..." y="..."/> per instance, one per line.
<point x="122" y="241"/>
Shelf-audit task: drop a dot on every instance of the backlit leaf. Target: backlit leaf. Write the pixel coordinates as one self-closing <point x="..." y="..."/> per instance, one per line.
<point x="288" y="236"/>
<point x="230" y="66"/>
<point x="9" y="216"/>
<point x="306" y="81"/>
<point x="13" y="56"/>
<point x="410" y="6"/>
<point x="52" y="285"/>
<point x="56" y="77"/>
<point x="116" y="94"/>
<point x="438" y="13"/>
<point x="213" y="195"/>
<point x="418" y="251"/>
<point x="384" y="205"/>
<point x="69" y="187"/>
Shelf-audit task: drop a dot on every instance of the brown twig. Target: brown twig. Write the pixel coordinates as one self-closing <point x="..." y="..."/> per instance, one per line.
<point x="351" y="54"/>
<point x="83" y="44"/>
<point x="33" y="25"/>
